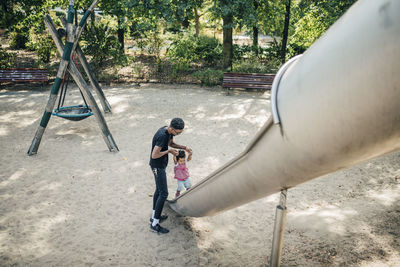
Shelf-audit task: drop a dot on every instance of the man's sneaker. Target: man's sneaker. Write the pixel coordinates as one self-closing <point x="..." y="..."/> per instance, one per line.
<point x="158" y="229"/>
<point x="162" y="218"/>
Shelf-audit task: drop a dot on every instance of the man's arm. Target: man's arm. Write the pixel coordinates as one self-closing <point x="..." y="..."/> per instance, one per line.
<point x="157" y="153"/>
<point x="175" y="145"/>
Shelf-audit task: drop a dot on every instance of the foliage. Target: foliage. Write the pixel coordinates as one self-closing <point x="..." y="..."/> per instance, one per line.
<point x="272" y="65"/>
<point x="242" y="51"/>
<point x="101" y="44"/>
<point x="179" y="66"/>
<point x="208" y="49"/>
<point x="248" y="51"/>
<point x="19" y="37"/>
<point x="175" y="69"/>
<point x="6" y="59"/>
<point x="155" y="44"/>
<point x="315" y="17"/>
<point x="174" y="13"/>
<point x="209" y="77"/>
<point x="193" y="49"/>
<point x="255" y="65"/>
<point x="20" y="12"/>
<point x="138" y="71"/>
<point x="147" y="22"/>
<point x="271" y="15"/>
<point x="143" y="32"/>
<point x="274" y="49"/>
<point x="266" y="60"/>
<point x="182" y="49"/>
<point x="43" y="44"/>
<point x="45" y="49"/>
<point x="20" y="17"/>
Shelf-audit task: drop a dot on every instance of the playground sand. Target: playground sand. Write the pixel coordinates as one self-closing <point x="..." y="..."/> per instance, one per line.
<point x="77" y="204"/>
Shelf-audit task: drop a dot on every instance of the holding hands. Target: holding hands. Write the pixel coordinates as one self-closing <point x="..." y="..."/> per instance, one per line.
<point x="174" y="152"/>
<point x="188" y="150"/>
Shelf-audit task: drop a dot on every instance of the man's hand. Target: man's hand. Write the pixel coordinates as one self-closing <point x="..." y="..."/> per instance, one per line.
<point x="189" y="150"/>
<point x="173" y="151"/>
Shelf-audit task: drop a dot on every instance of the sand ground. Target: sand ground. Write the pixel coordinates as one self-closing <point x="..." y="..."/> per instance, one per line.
<point x="77" y="204"/>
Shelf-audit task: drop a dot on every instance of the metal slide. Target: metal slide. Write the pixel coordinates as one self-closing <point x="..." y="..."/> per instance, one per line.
<point x="339" y="105"/>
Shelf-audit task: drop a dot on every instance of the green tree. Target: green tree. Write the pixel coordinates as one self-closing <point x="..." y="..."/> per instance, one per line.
<point x="119" y="10"/>
<point x="226" y="10"/>
<point x="313" y="19"/>
<point x="101" y="43"/>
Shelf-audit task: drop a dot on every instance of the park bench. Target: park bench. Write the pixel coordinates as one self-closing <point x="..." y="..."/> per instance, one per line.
<point x="24" y="76"/>
<point x="247" y="81"/>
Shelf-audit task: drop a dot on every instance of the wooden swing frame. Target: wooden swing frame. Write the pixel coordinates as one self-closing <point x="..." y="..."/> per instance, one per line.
<point x="66" y="50"/>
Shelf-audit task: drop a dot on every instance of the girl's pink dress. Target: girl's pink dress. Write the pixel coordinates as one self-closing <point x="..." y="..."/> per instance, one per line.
<point x="181" y="172"/>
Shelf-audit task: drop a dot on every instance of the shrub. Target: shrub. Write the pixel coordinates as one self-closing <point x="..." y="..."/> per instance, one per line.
<point x="255" y="65"/>
<point x="42" y="44"/>
<point x="182" y="49"/>
<point x="19" y="37"/>
<point x="101" y="44"/>
<point x="242" y="51"/>
<point x="192" y="49"/>
<point x="208" y="49"/>
<point x="274" y="50"/>
<point x="142" y="32"/>
<point x="6" y="59"/>
<point x="138" y="71"/>
<point x="178" y="68"/>
<point x="155" y="44"/>
<point x="45" y="48"/>
<point x="209" y="77"/>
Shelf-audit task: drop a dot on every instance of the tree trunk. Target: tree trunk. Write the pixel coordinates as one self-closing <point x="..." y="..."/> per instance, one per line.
<point x="92" y="18"/>
<point x="285" y="31"/>
<point x="227" y="41"/>
<point x="197" y="21"/>
<point x="76" y="17"/>
<point x="255" y="39"/>
<point x="255" y="29"/>
<point x="121" y="34"/>
<point x="4" y="7"/>
<point x="185" y="23"/>
<point x="5" y="10"/>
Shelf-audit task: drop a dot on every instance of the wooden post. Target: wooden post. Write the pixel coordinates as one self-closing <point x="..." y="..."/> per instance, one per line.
<point x="77" y="76"/>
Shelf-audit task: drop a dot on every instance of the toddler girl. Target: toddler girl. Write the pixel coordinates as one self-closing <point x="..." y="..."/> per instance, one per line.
<point x="182" y="172"/>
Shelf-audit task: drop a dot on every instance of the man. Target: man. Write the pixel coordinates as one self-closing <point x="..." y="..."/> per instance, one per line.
<point x="162" y="140"/>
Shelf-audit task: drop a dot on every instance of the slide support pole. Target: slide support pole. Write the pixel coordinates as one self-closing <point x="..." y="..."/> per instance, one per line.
<point x="277" y="240"/>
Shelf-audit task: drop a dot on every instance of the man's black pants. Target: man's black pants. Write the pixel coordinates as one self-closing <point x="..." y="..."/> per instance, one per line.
<point x="161" y="193"/>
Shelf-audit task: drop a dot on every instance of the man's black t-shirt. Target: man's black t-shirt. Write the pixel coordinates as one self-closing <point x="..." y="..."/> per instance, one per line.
<point x="161" y="139"/>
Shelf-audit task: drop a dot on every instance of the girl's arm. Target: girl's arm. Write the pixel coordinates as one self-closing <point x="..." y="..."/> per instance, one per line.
<point x="190" y="156"/>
